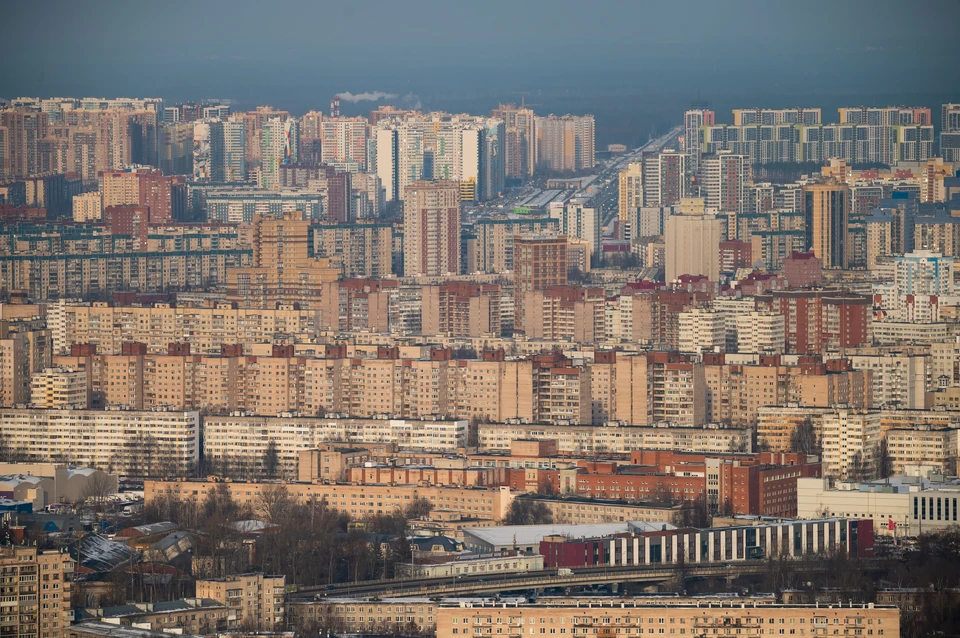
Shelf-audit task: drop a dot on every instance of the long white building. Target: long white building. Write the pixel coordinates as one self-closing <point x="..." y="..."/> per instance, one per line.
<point x="136" y="443"/>
<point x="242" y="441"/>
<point x="583" y="439"/>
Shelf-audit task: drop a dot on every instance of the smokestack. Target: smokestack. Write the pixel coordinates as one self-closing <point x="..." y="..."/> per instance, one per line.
<point x="335" y="106"/>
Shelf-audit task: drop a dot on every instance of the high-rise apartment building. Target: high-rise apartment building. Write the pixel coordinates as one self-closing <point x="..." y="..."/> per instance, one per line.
<point x="36" y="589"/>
<point x="283" y="271"/>
<point x="228" y="162"/>
<point x="461" y="309"/>
<point x="580" y="218"/>
<point x="431" y="228"/>
<point x="24" y="130"/>
<point x="725" y="178"/>
<point x="164" y="196"/>
<point x="665" y="178"/>
<point x="693" y="242"/>
<point x="460" y="148"/>
<point x="538" y="262"/>
<point x="565" y="143"/>
<point x="175" y="148"/>
<point x="693" y="122"/>
<point x="59" y="388"/>
<point x="344" y="140"/>
<point x="630" y="191"/>
<point x="87" y="207"/>
<point x="827" y="214"/>
<point x="799" y="115"/>
<point x="519" y="145"/>
<point x="496" y="235"/>
<point x="363" y="249"/>
<point x="279" y="144"/>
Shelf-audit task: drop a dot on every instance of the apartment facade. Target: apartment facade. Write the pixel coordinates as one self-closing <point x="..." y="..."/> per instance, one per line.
<point x="255" y="602"/>
<point x="242" y="441"/>
<point x="127" y="441"/>
<point x="359" y="501"/>
<point x="37" y="591"/>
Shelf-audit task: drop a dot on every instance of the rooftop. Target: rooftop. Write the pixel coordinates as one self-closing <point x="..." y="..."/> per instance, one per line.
<point x="530" y="534"/>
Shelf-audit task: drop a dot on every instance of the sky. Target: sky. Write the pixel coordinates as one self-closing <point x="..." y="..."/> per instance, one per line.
<point x="295" y="53"/>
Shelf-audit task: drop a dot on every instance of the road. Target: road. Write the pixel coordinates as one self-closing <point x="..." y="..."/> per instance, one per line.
<point x="608" y="178"/>
<point x="478" y="583"/>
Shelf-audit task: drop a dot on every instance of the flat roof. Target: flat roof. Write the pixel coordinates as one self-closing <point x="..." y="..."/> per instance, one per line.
<point x="529" y="534"/>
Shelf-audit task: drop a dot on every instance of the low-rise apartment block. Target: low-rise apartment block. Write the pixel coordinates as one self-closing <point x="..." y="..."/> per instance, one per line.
<point x="359" y="501"/>
<point x="254" y="602"/>
<point x="456" y="619"/>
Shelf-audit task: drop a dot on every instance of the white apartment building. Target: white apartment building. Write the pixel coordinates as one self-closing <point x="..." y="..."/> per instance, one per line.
<point x="243" y="440"/>
<point x="761" y="332"/>
<point x="904" y="332"/>
<point x="731" y="308"/>
<point x="702" y="330"/>
<point x="135" y="443"/>
<point x="615" y="438"/>
<point x="899" y="380"/>
<point x="59" y="388"/>
<point x="945" y="363"/>
<point x="850" y="443"/>
<point x="579" y="218"/>
<point x="506" y="562"/>
<point x="725" y="180"/>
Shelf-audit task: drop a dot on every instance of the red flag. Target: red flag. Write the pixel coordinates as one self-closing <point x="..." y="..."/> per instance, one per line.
<point x="891" y="525"/>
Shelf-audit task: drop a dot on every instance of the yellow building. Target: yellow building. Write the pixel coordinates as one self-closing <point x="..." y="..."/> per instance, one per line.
<point x="254" y="601"/>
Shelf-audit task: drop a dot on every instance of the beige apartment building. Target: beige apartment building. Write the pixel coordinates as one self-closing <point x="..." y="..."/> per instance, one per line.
<point x="539" y="261"/>
<point x="126" y="441"/>
<point x="242" y="441"/>
<point x="60" y="388"/>
<point x="255" y="602"/>
<point x="357" y="304"/>
<point x="637" y="618"/>
<point x="283" y="271"/>
<point x="363" y="249"/>
<point x="36" y="592"/>
<point x="186" y="616"/>
<point x="357" y="614"/>
<point x="589" y="439"/>
<point x="565" y="312"/>
<point x="359" y="501"/>
<point x="736" y="392"/>
<point x="460" y="309"/>
<point x="205" y="329"/>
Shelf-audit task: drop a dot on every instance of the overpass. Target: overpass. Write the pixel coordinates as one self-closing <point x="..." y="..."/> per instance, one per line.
<point x="495" y="583"/>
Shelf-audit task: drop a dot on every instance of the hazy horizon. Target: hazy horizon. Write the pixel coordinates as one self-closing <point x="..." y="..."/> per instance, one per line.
<point x="634" y="65"/>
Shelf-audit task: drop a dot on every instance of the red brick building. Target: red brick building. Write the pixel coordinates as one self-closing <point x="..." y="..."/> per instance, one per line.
<point x="761" y="484"/>
<point x="817" y="321"/>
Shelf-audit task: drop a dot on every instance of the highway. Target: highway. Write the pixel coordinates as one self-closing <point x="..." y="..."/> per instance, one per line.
<point x="608" y="179"/>
<point x="480" y="583"/>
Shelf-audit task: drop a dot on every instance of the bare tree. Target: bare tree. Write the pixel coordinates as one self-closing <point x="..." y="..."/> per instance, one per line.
<point x="96" y="490"/>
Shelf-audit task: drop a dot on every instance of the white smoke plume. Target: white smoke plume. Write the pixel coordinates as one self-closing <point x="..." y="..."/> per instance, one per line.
<point x="373" y="96"/>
